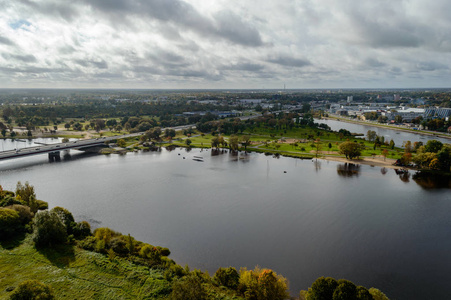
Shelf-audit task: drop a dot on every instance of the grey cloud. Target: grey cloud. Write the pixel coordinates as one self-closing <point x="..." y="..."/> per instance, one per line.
<point x="289" y="61"/>
<point x="23" y="58"/>
<point x="431" y="66"/>
<point x="373" y="63"/>
<point x="225" y="25"/>
<point x="231" y="27"/>
<point x="6" y="41"/>
<point x="249" y="67"/>
<point x="101" y="64"/>
<point x="63" y="9"/>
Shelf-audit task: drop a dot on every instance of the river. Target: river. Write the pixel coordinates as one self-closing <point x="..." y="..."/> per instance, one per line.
<point x="302" y="219"/>
<point x="398" y="136"/>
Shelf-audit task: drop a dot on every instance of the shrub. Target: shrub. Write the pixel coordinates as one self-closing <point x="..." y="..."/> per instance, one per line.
<point x="164" y="251"/>
<point x="42" y="205"/>
<point x="48" y="229"/>
<point x="174" y="271"/>
<point x="66" y="217"/>
<point x="322" y="288"/>
<point x="363" y="293"/>
<point x="346" y="290"/>
<point x="32" y="290"/>
<point x="150" y="252"/>
<point x="227" y="277"/>
<point x="262" y="285"/>
<point x="89" y="243"/>
<point x="105" y="234"/>
<point x="8" y="200"/>
<point x="188" y="288"/>
<point x="377" y="294"/>
<point x="9" y="222"/>
<point x="24" y="212"/>
<point x="81" y="230"/>
<point x="119" y="245"/>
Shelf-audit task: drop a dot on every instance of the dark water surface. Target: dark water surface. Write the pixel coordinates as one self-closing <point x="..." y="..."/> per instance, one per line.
<point x="367" y="224"/>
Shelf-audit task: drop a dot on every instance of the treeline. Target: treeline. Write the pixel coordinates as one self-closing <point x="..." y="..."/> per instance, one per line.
<point x="45" y="115"/>
<point x="20" y="213"/>
<point x="281" y="121"/>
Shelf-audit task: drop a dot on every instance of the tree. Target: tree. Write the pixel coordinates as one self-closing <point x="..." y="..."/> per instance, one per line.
<point x="392" y="144"/>
<point x="227" y="277"/>
<point x="48" y="229"/>
<point x="245" y="141"/>
<point x="121" y="143"/>
<point x="346" y="290"/>
<point x="67" y="126"/>
<point x="188" y="142"/>
<point x="377" y="294"/>
<point x="26" y="192"/>
<point x="262" y="285"/>
<point x="188" y="288"/>
<point x="233" y="143"/>
<point x="350" y="149"/>
<point x="398" y="119"/>
<point x="322" y="289"/>
<point x="371" y="135"/>
<point x="9" y="221"/>
<point x="433" y="146"/>
<point x="32" y="290"/>
<point x="66" y="217"/>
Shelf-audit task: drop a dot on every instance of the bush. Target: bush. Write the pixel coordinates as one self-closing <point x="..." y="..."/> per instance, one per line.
<point x="227" y="277"/>
<point x="89" y="243"/>
<point x="66" y="217"/>
<point x="32" y="290"/>
<point x="346" y="290"/>
<point x="48" y="229"/>
<point x="105" y="234"/>
<point x="377" y="294"/>
<point x="174" y="271"/>
<point x="262" y="285"/>
<point x="9" y="222"/>
<point x="24" y="212"/>
<point x="42" y="205"/>
<point x="322" y="288"/>
<point x="81" y="230"/>
<point x="188" y="288"/>
<point x="8" y="200"/>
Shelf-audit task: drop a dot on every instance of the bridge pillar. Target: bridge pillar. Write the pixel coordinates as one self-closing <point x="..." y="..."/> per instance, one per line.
<point x="54" y="156"/>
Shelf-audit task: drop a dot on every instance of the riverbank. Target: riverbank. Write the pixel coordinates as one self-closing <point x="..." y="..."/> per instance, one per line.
<point x="377" y="161"/>
<point x="420" y="132"/>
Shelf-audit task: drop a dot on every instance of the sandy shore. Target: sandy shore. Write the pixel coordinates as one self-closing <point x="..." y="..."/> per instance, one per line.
<point x="376" y="161"/>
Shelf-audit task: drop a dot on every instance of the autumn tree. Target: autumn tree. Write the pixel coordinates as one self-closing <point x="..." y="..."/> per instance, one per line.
<point x="350" y="149"/>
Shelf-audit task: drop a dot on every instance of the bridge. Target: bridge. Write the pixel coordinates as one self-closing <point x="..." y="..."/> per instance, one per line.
<point x="54" y="150"/>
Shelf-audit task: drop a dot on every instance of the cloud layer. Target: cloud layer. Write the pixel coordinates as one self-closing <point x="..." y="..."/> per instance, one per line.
<point x="224" y="44"/>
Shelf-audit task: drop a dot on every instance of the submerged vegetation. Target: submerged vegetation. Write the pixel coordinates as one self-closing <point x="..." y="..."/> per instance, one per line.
<point x="46" y="254"/>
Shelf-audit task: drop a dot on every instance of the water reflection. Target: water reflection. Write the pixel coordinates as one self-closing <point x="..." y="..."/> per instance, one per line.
<point x="429" y="180"/>
<point x="348" y="170"/>
<point x="317" y="164"/>
<point x="384" y="170"/>
<point x="404" y="175"/>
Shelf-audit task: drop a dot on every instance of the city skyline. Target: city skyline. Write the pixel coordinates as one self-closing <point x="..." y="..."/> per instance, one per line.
<point x="201" y="44"/>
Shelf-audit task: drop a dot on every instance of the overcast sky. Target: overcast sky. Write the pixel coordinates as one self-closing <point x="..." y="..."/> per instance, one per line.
<point x="225" y="43"/>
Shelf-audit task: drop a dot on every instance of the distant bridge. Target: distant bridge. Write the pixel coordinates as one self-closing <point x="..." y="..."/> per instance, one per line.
<point x="54" y="150"/>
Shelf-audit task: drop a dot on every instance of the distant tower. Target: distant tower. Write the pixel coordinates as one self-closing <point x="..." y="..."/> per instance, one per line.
<point x="350" y="98"/>
<point x="396" y="97"/>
